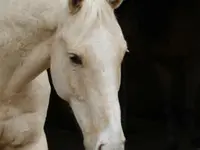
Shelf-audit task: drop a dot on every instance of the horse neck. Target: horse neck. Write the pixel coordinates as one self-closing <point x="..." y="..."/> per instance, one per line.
<point x="36" y="62"/>
<point x="19" y="35"/>
<point x="14" y="52"/>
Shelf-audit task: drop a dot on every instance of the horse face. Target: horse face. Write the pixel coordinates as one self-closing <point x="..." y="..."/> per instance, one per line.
<point x="86" y="71"/>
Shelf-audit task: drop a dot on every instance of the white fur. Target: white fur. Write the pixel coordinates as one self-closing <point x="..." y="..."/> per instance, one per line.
<point x="38" y="34"/>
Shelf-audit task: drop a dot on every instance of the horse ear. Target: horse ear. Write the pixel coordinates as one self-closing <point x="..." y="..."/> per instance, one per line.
<point x="115" y="3"/>
<point x="75" y="6"/>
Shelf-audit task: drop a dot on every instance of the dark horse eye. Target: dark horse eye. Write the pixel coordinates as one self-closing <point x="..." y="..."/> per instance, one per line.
<point x="75" y="59"/>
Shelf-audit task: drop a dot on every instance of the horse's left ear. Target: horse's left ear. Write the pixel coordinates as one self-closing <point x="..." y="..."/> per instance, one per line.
<point x="75" y="6"/>
<point x="115" y="3"/>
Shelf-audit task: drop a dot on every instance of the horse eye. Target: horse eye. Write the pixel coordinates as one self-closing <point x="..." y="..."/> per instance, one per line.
<point x="75" y="59"/>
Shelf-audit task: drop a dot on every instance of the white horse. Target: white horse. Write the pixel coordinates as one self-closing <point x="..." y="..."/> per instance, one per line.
<point x="83" y="45"/>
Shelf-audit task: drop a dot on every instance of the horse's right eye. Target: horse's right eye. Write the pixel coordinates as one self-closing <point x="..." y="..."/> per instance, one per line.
<point x="75" y="59"/>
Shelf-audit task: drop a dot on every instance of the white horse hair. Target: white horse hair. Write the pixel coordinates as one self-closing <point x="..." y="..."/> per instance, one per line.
<point x="83" y="45"/>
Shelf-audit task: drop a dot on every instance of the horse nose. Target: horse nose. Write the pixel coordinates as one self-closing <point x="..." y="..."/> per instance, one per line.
<point x="112" y="143"/>
<point x="107" y="141"/>
<point x="112" y="146"/>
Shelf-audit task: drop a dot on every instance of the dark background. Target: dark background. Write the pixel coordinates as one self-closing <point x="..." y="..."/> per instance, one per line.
<point x="160" y="93"/>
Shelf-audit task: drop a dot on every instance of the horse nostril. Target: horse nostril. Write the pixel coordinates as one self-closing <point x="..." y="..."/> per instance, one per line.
<point x="101" y="146"/>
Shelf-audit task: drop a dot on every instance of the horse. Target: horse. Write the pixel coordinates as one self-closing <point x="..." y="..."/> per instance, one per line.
<point x="83" y="45"/>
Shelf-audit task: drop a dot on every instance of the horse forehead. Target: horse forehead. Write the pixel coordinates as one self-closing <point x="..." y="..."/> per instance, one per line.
<point x="100" y="55"/>
<point x="103" y="48"/>
<point x="104" y="37"/>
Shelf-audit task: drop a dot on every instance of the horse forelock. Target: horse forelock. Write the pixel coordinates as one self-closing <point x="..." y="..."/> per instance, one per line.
<point x="92" y="13"/>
